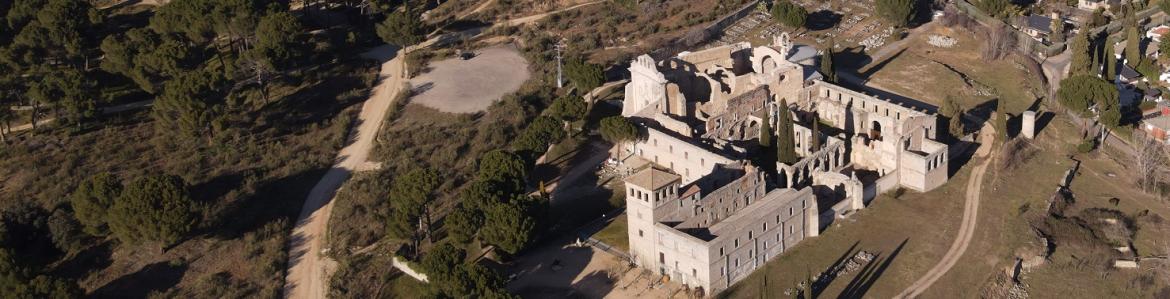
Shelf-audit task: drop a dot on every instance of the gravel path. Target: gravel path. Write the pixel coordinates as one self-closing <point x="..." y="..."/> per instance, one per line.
<point x="309" y="271"/>
<point x="967" y="229"/>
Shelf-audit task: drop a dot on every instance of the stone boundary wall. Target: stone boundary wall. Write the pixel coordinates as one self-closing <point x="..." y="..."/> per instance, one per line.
<point x="405" y="268"/>
<point x="702" y="35"/>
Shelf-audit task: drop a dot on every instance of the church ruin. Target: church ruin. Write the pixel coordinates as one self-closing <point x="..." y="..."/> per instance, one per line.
<point x="703" y="215"/>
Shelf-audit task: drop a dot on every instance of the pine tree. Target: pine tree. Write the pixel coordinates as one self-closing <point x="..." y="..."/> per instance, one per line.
<point x="154" y="209"/>
<point x="91" y="202"/>
<point x="786" y="144"/>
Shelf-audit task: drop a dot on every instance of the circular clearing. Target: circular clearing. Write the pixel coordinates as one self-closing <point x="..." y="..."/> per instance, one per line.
<point x="467" y="86"/>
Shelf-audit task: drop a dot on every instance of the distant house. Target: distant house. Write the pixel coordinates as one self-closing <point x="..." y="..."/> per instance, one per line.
<point x="1164" y="77"/>
<point x="1129" y="75"/>
<point x="1152" y="95"/>
<point x="1156" y="123"/>
<point x="1157" y="33"/>
<point x="1097" y="4"/>
<point x="1037" y="26"/>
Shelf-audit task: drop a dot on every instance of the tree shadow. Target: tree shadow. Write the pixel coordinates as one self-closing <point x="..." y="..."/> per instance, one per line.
<point x="216" y="187"/>
<point x="278" y="198"/>
<point x="154" y="277"/>
<point x="870" y="274"/>
<point x="825" y="278"/>
<point x="822" y="19"/>
<point x="79" y="265"/>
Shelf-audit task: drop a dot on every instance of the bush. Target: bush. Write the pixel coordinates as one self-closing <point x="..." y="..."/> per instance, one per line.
<point x="1087" y="145"/>
<point x="153" y="208"/>
<point x="789" y="14"/>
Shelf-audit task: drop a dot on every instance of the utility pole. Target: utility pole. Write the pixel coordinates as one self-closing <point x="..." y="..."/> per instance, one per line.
<point x="560" y="72"/>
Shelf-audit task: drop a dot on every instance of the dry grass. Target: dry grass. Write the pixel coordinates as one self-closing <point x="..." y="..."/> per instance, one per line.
<point x="929" y="74"/>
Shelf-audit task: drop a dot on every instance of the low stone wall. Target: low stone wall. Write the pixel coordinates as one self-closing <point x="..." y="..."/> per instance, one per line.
<point x="405" y="268"/>
<point x="882" y="185"/>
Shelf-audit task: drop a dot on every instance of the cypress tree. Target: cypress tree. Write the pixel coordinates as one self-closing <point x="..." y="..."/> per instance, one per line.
<point x="827" y="67"/>
<point x="767" y="158"/>
<point x="786" y="144"/>
<point x="816" y="133"/>
<point x="766" y="133"/>
<point x="1081" y="61"/>
<point x="1110" y="61"/>
<point x="1133" y="54"/>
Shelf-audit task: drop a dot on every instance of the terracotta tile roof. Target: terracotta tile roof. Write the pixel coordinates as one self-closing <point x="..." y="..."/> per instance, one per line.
<point x="652" y="178"/>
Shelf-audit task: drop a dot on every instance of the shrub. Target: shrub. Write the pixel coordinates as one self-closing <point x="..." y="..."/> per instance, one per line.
<point x="153" y="208"/>
<point x="789" y="14"/>
<point x="1087" y="145"/>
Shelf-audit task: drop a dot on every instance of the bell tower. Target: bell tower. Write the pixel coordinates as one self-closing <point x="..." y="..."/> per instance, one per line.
<point x="645" y="192"/>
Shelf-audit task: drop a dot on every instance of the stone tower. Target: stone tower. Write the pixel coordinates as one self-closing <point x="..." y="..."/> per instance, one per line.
<point x="646" y="191"/>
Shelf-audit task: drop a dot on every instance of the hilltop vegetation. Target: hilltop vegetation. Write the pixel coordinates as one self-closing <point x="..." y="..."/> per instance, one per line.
<point x="228" y="112"/>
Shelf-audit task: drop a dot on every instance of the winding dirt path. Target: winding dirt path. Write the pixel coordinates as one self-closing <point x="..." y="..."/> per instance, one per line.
<point x="970" y="220"/>
<point x="309" y="271"/>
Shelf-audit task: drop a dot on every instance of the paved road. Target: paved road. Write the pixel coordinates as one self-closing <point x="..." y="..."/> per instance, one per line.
<point x="967" y="228"/>
<point x="308" y="271"/>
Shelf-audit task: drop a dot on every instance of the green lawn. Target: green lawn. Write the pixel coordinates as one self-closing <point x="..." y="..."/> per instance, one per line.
<point x="615" y="234"/>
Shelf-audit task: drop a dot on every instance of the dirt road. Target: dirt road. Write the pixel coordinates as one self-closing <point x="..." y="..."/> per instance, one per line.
<point x="308" y="271"/>
<point x="967" y="228"/>
<point x="539" y="16"/>
<point x="107" y="110"/>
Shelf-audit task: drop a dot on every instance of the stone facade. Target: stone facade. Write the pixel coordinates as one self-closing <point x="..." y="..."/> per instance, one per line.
<point x="701" y="214"/>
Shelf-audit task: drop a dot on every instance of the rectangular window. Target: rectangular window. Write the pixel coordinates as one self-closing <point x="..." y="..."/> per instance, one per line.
<point x="640" y="234"/>
<point x="721" y="251"/>
<point x="750" y="235"/>
<point x="737" y="262"/>
<point x="736" y="242"/>
<point x="765" y="226"/>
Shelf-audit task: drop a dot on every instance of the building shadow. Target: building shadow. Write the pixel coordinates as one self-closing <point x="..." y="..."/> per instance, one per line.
<point x="870" y="274"/>
<point x="1042" y="121"/>
<point x="548" y="271"/>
